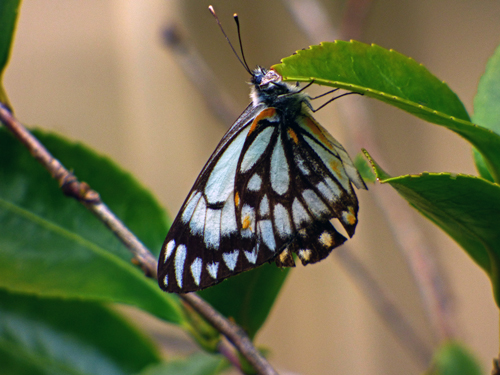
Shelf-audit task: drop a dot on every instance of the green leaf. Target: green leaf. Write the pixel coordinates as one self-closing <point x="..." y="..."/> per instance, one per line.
<point x="364" y="168"/>
<point x="465" y="207"/>
<point x="248" y="297"/>
<point x="196" y="364"/>
<point x="8" y="16"/>
<point x="50" y="245"/>
<point x="486" y="108"/>
<point x="394" y="79"/>
<point x="44" y="336"/>
<point x="452" y="358"/>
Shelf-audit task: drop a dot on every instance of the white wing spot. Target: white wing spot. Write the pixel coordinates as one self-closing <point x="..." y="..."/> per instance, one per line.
<point x="256" y="149"/>
<point x="280" y="178"/>
<point x="197" y="223"/>
<point x="251" y="255"/>
<point x="264" y="206"/>
<point x="282" y="221"/>
<point x="316" y="206"/>
<point x="255" y="183"/>
<point x="228" y="218"/>
<point x="212" y="269"/>
<point x="304" y="254"/>
<point x="326" y="239"/>
<point x="300" y="214"/>
<point x="230" y="259"/>
<point x="180" y="258"/>
<point x="301" y="164"/>
<point x="165" y="280"/>
<point x="325" y="191"/>
<point x="333" y="187"/>
<point x="190" y="206"/>
<point x="212" y="228"/>
<point x="168" y="249"/>
<point x="220" y="183"/>
<point x="267" y="234"/>
<point x="196" y="270"/>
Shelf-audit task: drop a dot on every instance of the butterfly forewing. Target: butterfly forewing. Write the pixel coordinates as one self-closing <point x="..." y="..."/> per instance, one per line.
<point x="269" y="190"/>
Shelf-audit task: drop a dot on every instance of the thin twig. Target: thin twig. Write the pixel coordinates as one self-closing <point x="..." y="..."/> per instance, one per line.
<point x="91" y="200"/>
<point x="384" y="305"/>
<point x="200" y="74"/>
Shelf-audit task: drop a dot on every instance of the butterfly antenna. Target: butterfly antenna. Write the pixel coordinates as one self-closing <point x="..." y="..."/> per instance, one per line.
<point x="242" y="62"/>
<point x="237" y="20"/>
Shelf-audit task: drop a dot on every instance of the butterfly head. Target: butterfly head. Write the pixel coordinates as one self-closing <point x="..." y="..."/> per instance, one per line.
<point x="267" y="86"/>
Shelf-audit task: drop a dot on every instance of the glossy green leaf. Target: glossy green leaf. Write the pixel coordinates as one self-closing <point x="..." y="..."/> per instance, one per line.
<point x="452" y="358"/>
<point x="486" y="108"/>
<point x="465" y="207"/>
<point x="394" y="79"/>
<point x="50" y="245"/>
<point x="248" y="297"/>
<point x="8" y="16"/>
<point x="196" y="364"/>
<point x="49" y="336"/>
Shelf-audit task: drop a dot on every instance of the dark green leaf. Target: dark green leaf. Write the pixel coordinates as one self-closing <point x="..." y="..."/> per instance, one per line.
<point x="44" y="336"/>
<point x="395" y="79"/>
<point x="453" y="358"/>
<point x="196" y="364"/>
<point x="8" y="16"/>
<point x="51" y="245"/>
<point x="465" y="207"/>
<point x="248" y="297"/>
<point x="486" y="108"/>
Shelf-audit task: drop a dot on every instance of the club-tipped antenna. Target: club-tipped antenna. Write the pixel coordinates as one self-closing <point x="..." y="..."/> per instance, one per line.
<point x="242" y="61"/>
<point x="237" y="20"/>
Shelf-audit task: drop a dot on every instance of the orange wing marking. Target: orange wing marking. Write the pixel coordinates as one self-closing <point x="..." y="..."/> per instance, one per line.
<point x="336" y="166"/>
<point x="293" y="135"/>
<point x="246" y="222"/>
<point x="266" y="113"/>
<point x="349" y="216"/>
<point x="316" y="130"/>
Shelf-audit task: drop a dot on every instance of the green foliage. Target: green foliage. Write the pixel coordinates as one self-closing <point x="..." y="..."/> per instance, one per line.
<point x="8" y="17"/>
<point x="54" y="336"/>
<point x="486" y="108"/>
<point x="248" y="297"/>
<point x="465" y="207"/>
<point x="452" y="358"/>
<point x="59" y="264"/>
<point x="394" y="79"/>
<point x="52" y="246"/>
<point x="196" y="364"/>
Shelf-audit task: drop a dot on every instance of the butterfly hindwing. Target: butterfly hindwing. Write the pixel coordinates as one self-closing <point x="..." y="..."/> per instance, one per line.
<point x="268" y="191"/>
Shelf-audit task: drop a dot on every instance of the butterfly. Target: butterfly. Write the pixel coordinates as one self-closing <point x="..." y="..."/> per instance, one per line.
<point x="269" y="190"/>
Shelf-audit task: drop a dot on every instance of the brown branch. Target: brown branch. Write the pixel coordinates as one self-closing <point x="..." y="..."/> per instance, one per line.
<point x="91" y="200"/>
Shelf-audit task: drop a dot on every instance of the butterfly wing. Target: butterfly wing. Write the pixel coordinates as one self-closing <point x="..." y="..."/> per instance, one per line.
<point x="291" y="192"/>
<point x="269" y="190"/>
<point x="201" y="247"/>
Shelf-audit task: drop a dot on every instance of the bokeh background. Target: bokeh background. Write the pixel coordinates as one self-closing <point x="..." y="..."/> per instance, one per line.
<point x="100" y="72"/>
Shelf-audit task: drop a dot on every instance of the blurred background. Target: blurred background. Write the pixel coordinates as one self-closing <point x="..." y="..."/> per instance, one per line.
<point x="100" y="72"/>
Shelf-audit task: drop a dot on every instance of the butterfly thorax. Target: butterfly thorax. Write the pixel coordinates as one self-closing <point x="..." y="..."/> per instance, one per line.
<point x="269" y="89"/>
